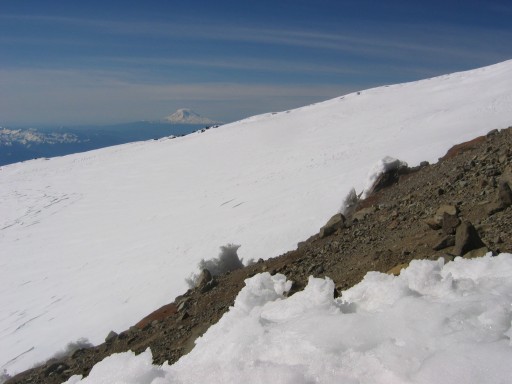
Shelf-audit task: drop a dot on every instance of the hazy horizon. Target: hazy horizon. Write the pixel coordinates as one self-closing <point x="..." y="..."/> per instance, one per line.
<point x="91" y="63"/>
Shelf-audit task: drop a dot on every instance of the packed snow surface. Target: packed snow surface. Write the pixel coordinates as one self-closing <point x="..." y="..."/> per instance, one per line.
<point x="93" y="242"/>
<point x="434" y="323"/>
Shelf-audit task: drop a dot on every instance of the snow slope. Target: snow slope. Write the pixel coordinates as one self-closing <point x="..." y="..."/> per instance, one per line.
<point x="95" y="241"/>
<point x="376" y="332"/>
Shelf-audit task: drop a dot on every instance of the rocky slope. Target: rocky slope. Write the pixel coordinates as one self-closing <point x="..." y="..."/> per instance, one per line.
<point x="458" y="206"/>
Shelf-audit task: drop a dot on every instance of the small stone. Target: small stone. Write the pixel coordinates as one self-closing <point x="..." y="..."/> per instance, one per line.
<point x="492" y="133"/>
<point x="397" y="269"/>
<point x="476" y="253"/>
<point x="433" y="223"/>
<point x="182" y="305"/>
<point x="209" y="286"/>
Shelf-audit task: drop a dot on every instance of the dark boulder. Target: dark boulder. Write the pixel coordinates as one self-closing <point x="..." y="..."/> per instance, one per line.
<point x="467" y="239"/>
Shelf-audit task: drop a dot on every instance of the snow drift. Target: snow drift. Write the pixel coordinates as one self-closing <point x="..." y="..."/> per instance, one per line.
<point x="95" y="241"/>
<point x="434" y="323"/>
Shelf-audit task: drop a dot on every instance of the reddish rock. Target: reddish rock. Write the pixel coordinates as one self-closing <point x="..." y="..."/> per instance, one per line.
<point x="159" y="315"/>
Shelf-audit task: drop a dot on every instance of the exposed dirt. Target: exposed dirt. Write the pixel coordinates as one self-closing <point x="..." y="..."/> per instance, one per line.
<point x="387" y="231"/>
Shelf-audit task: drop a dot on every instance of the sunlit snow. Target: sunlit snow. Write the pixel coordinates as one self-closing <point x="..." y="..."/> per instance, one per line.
<point x="95" y="241"/>
<point x="434" y="323"/>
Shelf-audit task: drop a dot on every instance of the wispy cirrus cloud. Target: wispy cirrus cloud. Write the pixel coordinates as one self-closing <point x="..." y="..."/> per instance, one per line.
<point x="392" y="41"/>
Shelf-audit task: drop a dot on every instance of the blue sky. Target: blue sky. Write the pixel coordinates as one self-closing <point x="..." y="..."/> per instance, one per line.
<point x="95" y="62"/>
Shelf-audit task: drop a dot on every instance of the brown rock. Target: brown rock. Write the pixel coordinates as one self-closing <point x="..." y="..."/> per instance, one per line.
<point x="476" y="253"/>
<point x="433" y="223"/>
<point x="160" y="314"/>
<point x="204" y="278"/>
<point x="436" y="222"/>
<point x="466" y="239"/>
<point x="112" y="336"/>
<point x="336" y="222"/>
<point x="397" y="269"/>
<point x="449" y="223"/>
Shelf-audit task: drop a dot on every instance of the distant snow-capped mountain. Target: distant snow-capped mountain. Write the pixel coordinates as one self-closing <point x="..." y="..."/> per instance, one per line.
<point x="188" y="116"/>
<point x="8" y="137"/>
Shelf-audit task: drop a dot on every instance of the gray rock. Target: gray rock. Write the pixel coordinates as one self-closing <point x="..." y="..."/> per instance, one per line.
<point x="466" y="239"/>
<point x="208" y="286"/>
<point x="436" y="222"/>
<point x="336" y="222"/>
<point x="182" y="305"/>
<point x="449" y="223"/>
<point x="204" y="278"/>
<point x="112" y="336"/>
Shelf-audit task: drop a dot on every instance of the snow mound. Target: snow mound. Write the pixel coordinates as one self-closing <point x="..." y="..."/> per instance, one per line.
<point x="433" y="323"/>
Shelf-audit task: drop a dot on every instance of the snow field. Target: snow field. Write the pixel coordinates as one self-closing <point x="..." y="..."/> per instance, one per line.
<point x="434" y="323"/>
<point x="93" y="242"/>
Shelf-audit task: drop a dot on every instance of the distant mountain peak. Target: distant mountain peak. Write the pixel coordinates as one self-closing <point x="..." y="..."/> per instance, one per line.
<point x="187" y="116"/>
